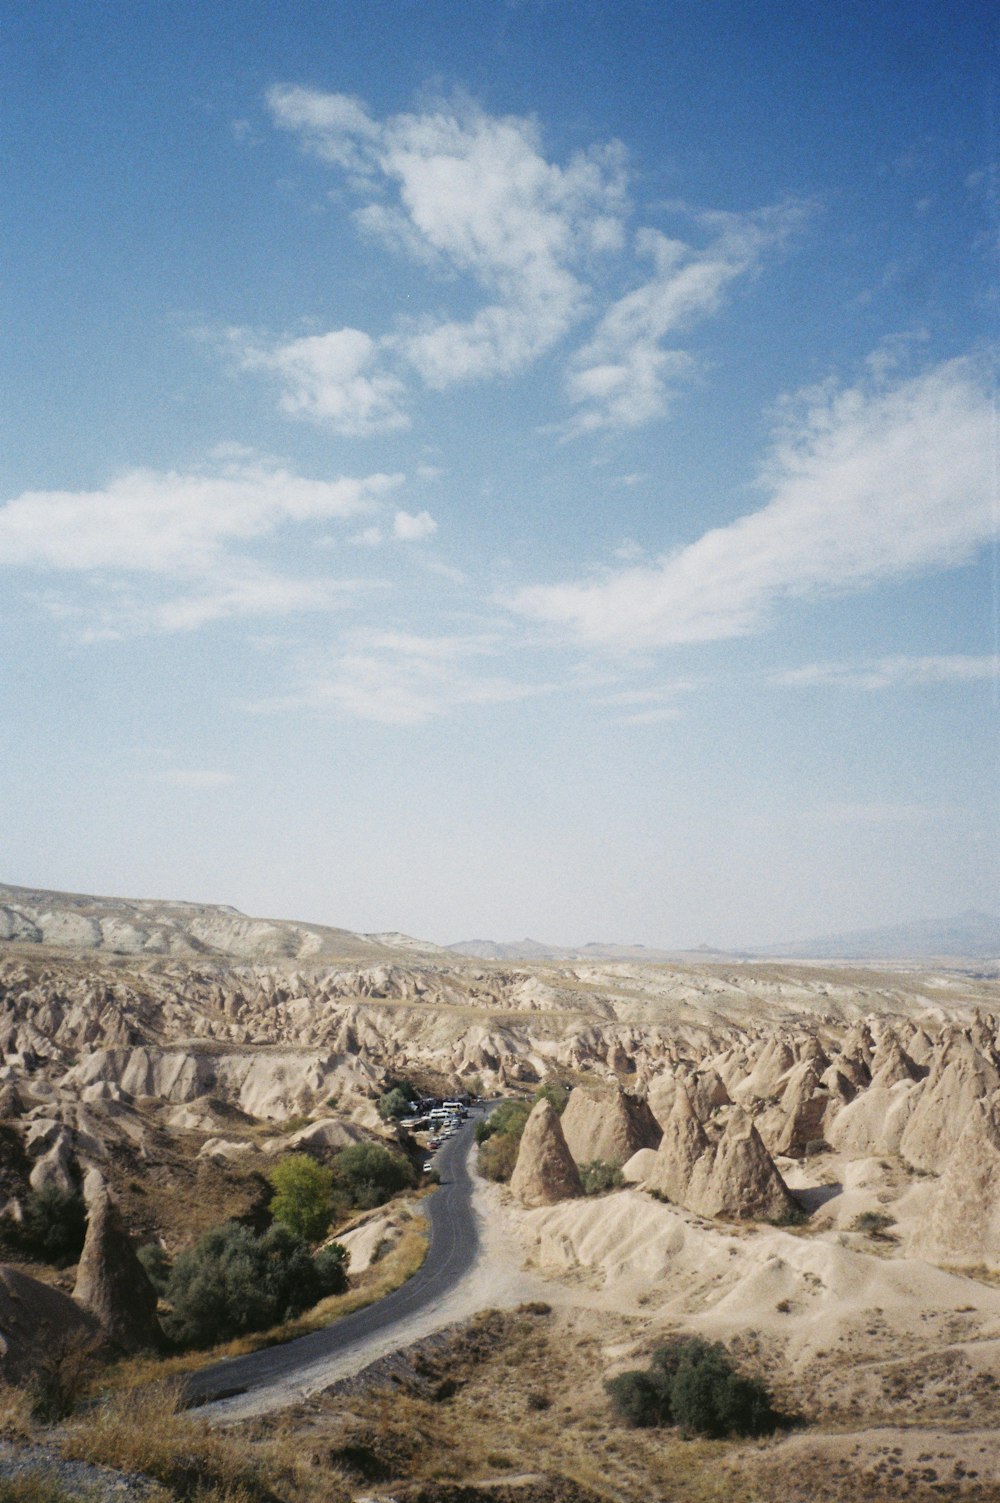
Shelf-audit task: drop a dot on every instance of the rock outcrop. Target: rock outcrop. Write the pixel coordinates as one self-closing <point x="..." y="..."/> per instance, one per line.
<point x="739" y="1182"/>
<point x="545" y="1171"/>
<point x="38" y="1324"/>
<point x="964" y="1227"/>
<point x="683" y="1145"/>
<point x="111" y="1284"/>
<point x="607" y="1124"/>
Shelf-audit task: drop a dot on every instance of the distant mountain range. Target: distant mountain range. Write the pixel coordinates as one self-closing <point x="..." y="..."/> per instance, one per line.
<point x="969" y="936"/>
<point x="136" y="926"/>
<point x="533" y="949"/>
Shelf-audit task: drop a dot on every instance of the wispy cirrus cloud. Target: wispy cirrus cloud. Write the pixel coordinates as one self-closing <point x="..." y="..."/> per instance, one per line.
<point x="173" y="550"/>
<point x="892" y="672"/>
<point x="546" y="245"/>
<point x="624" y="375"/>
<point x="882" y="479"/>
<point x="402" y="678"/>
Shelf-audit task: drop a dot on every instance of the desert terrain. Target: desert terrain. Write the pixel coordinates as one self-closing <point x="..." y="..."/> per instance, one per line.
<point x="809" y="1156"/>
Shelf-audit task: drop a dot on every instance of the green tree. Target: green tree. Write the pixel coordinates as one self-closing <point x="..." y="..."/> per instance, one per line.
<point x="303" y="1196"/>
<point x="233" y="1281"/>
<point x="394" y="1104"/>
<point x="53" y="1226"/>
<point x="642" y="1398"/>
<point x="367" y="1174"/>
<point x="331" y="1268"/>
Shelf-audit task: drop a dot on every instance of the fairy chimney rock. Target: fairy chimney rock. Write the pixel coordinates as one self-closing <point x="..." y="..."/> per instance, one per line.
<point x="545" y="1172"/>
<point x="111" y="1283"/>
<point x="684" y="1144"/>
<point x="607" y="1124"/>
<point x="740" y="1183"/>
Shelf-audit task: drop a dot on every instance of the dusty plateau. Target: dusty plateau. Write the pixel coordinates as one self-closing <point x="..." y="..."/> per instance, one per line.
<point x="811" y="1163"/>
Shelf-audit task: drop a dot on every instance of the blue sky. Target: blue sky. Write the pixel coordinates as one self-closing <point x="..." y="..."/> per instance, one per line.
<point x="503" y="468"/>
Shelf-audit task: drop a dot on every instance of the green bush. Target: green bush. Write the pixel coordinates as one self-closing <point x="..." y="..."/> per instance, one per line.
<point x="366" y="1174"/>
<point x="394" y="1103"/>
<point x="330" y="1264"/>
<point x="499" y="1138"/>
<point x="234" y="1281"/>
<point x="694" y="1385"/>
<point x="497" y="1157"/>
<point x="508" y="1118"/>
<point x="599" y="1176"/>
<point x="53" y="1227"/>
<point x="302" y="1199"/>
<point x="156" y="1265"/>
<point x="642" y="1398"/>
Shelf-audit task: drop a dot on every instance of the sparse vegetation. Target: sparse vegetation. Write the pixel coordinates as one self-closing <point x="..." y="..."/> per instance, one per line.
<point x="599" y="1176"/>
<point x="145" y="1430"/>
<point x="36" y="1487"/>
<point x="874" y="1224"/>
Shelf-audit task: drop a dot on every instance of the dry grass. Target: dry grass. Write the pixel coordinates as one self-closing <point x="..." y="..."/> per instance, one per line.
<point x="521" y="1391"/>
<point x="16" y="1422"/>
<point x="36" y="1487"/>
<point x="146" y="1431"/>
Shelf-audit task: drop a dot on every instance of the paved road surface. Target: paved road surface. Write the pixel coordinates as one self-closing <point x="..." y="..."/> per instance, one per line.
<point x="453" y="1247"/>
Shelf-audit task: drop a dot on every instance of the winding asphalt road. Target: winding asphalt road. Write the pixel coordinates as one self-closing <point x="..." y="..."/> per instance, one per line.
<point x="454" y="1243"/>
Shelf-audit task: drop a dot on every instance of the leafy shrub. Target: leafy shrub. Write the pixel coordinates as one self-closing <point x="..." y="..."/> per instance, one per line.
<point x="599" y="1176"/>
<point x="508" y="1118"/>
<point x="497" y="1157"/>
<point x="393" y="1104"/>
<point x="643" y="1398"/>
<point x="53" y="1227"/>
<point x="693" y="1384"/>
<point x="330" y="1264"/>
<point x="234" y="1281"/>
<point x="366" y="1174"/>
<point x="302" y="1199"/>
<point x="156" y="1265"/>
<point x="499" y="1138"/>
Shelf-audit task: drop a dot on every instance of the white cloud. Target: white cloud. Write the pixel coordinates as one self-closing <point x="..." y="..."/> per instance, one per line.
<point x="890" y="672"/>
<point x="623" y="377"/>
<point x="471" y="195"/>
<point x="186" y="534"/>
<point x="333" y="379"/>
<point x="863" y="484"/>
<point x="400" y="678"/>
<point x="476" y="196"/>
<point x="410" y="528"/>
